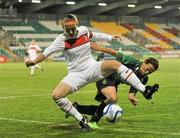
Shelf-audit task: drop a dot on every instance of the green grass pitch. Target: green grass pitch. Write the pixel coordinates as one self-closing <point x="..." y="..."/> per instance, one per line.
<point x="28" y="111"/>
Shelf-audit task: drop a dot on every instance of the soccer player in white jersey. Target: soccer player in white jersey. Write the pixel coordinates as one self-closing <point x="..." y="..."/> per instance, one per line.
<point x="82" y="68"/>
<point x="33" y="51"/>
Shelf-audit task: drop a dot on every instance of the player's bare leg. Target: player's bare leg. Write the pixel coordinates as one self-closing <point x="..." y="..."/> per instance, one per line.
<point x="32" y="70"/>
<point x="39" y="67"/>
<point x="111" y="95"/>
<point x="128" y="76"/>
<point x="59" y="96"/>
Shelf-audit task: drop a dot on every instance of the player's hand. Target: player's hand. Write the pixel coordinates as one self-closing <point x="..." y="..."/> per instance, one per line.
<point x="117" y="38"/>
<point x="30" y="63"/>
<point x="132" y="99"/>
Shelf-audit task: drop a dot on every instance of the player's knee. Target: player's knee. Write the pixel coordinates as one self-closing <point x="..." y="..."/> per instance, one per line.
<point x="60" y="91"/>
<point x="113" y="99"/>
<point x="56" y="96"/>
<point x="115" y="64"/>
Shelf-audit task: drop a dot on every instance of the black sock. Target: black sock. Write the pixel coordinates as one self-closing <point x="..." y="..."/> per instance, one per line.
<point x="87" y="109"/>
<point x="98" y="113"/>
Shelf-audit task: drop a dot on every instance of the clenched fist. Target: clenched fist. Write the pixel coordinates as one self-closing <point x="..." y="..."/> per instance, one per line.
<point x="30" y="63"/>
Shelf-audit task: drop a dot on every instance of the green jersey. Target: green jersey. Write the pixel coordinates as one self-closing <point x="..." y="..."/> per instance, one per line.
<point x="134" y="64"/>
<point x="127" y="60"/>
<point x="115" y="80"/>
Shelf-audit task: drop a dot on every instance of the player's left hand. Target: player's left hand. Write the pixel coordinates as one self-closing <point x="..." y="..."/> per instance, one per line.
<point x="30" y="63"/>
<point x="132" y="99"/>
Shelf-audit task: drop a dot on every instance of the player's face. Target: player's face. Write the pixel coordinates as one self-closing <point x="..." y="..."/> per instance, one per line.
<point x="147" y="69"/>
<point x="70" y="28"/>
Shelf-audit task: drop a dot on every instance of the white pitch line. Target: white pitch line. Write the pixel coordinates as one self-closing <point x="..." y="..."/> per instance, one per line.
<point x="24" y="121"/>
<point x="22" y="96"/>
<point x="26" y="96"/>
<point x="30" y="121"/>
<point x="148" y="132"/>
<point x="116" y="129"/>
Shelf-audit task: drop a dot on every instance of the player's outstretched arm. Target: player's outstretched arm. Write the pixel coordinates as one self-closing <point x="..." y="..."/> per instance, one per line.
<point x="132" y="98"/>
<point x="104" y="36"/>
<point x="40" y="58"/>
<point x="96" y="47"/>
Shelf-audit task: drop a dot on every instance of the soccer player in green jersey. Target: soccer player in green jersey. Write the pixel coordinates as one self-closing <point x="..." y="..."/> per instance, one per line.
<point x="107" y="88"/>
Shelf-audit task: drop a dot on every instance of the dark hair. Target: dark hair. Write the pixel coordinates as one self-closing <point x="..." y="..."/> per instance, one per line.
<point x="152" y="61"/>
<point x="70" y="17"/>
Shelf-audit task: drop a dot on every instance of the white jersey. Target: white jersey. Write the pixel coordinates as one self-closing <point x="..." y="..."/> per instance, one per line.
<point x="77" y="50"/>
<point x="32" y="51"/>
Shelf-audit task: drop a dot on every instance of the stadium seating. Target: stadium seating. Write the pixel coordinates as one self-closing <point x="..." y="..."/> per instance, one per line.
<point x="4" y="53"/>
<point x="158" y="31"/>
<point x="25" y="32"/>
<point x="126" y="43"/>
<point x="140" y="38"/>
<point x="113" y="29"/>
<point x="51" y="25"/>
<point x="145" y="37"/>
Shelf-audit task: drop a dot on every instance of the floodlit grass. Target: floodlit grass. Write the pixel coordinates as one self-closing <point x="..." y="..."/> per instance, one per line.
<point x="27" y="109"/>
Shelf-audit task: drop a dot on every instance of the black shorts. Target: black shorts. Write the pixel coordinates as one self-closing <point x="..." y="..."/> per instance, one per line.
<point x="108" y="81"/>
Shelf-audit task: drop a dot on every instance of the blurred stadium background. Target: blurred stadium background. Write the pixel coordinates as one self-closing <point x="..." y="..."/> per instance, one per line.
<point x="147" y="28"/>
